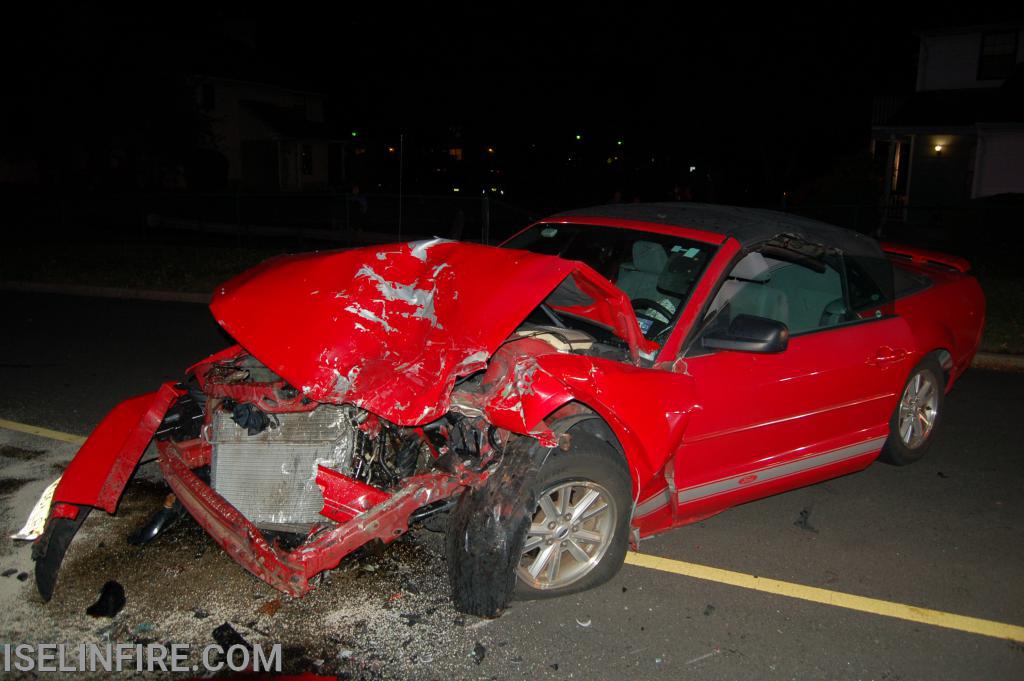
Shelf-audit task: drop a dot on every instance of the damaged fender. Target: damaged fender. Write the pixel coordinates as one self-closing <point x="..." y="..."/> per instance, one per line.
<point x="97" y="476"/>
<point x="648" y="424"/>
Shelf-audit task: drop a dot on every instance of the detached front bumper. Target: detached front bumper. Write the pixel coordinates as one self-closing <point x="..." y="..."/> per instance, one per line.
<point x="96" y="477"/>
<point x="327" y="544"/>
<point x="353" y="512"/>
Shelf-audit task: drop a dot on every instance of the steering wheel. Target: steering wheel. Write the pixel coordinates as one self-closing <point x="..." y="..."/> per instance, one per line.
<point x="648" y="306"/>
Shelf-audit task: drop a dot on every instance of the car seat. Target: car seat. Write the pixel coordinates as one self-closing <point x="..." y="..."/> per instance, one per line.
<point x="639" y="277"/>
<point x="745" y="291"/>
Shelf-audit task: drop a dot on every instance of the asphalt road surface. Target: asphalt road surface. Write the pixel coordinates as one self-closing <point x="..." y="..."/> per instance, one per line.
<point x="944" y="534"/>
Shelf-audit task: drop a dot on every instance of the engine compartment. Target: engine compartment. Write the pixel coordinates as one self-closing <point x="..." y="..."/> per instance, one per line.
<point x="263" y="445"/>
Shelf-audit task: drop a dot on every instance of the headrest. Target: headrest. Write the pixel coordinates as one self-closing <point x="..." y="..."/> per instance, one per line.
<point x="679" y="275"/>
<point x="752" y="268"/>
<point x="649" y="256"/>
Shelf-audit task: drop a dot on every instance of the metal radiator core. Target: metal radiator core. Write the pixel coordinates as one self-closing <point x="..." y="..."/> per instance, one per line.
<point x="271" y="477"/>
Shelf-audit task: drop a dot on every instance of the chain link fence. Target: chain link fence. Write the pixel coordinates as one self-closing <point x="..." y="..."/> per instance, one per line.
<point x="332" y="217"/>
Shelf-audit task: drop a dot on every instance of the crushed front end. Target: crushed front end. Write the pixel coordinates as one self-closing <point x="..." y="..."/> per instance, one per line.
<point x="369" y="388"/>
<point x="288" y="486"/>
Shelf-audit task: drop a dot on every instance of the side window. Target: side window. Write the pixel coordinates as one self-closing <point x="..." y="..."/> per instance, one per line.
<point x="870" y="284"/>
<point x="814" y="295"/>
<point x="803" y="296"/>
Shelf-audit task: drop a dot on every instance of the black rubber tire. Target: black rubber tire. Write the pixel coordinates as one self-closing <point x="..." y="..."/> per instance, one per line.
<point x="592" y="459"/>
<point x="49" y="549"/>
<point x="895" y="452"/>
<point x="487" y="529"/>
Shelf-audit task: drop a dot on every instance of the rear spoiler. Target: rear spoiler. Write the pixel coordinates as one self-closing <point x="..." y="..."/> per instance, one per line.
<point x="923" y="257"/>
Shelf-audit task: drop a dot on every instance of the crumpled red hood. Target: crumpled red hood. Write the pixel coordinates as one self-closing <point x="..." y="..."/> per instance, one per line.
<point x="388" y="328"/>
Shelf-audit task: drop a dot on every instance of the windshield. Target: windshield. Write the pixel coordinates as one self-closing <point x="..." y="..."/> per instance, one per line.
<point x="657" y="271"/>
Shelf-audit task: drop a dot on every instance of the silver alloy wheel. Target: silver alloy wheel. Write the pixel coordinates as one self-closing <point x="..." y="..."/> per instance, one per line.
<point x="571" y="530"/>
<point x="918" y="408"/>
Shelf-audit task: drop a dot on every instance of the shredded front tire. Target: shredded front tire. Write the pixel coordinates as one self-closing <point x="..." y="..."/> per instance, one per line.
<point x="486" y="531"/>
<point x="547" y="523"/>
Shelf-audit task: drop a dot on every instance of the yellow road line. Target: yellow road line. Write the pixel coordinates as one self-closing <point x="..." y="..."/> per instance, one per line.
<point x="874" y="606"/>
<point x="937" y="618"/>
<point x="42" y="432"/>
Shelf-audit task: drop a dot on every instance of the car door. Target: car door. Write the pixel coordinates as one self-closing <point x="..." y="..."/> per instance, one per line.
<point x="769" y="422"/>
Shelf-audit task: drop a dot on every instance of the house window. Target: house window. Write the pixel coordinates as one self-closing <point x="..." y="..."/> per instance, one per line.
<point x="306" y="159"/>
<point x="998" y="55"/>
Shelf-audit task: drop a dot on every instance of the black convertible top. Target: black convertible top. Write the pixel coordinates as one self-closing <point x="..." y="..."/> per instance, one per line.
<point x="749" y="226"/>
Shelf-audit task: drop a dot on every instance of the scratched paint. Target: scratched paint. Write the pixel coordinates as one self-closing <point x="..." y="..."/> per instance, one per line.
<point x="394" y="327"/>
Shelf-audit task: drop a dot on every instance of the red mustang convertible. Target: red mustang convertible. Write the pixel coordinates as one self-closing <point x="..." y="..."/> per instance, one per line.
<point x="607" y="374"/>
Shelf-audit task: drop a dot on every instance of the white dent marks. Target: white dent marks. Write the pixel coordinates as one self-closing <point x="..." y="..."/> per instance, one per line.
<point x="475" y="361"/>
<point x="343" y="384"/>
<point x="407" y="368"/>
<point x="522" y="380"/>
<point x="418" y="249"/>
<point x="357" y="309"/>
<point x="421" y="299"/>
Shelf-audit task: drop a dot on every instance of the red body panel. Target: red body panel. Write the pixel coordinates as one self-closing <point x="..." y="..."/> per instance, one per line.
<point x="757" y="410"/>
<point x="101" y="468"/>
<point x="345" y="498"/>
<point x="948" y="315"/>
<point x="647" y="409"/>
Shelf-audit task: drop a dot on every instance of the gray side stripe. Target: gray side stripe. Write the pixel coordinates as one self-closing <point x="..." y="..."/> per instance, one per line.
<point x="775" y="472"/>
<point x="729" y="484"/>
<point x="652" y="504"/>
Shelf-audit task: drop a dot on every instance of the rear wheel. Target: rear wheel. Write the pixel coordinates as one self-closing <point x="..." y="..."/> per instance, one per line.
<point x="913" y="423"/>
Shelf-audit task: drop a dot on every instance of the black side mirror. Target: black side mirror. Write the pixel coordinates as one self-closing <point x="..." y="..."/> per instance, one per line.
<point x="748" y="333"/>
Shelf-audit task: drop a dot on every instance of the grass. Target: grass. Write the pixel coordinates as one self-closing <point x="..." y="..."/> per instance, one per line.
<point x="1004" y="323"/>
<point x="182" y="266"/>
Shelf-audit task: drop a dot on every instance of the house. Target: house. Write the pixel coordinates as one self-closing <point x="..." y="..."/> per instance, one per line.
<point x="960" y="134"/>
<point x="273" y="138"/>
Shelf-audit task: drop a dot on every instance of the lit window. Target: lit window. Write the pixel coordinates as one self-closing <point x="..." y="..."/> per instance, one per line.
<point x="456" y="153"/>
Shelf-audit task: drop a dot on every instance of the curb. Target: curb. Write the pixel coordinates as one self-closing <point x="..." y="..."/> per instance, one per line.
<point x="107" y="292"/>
<point x="998" y="361"/>
<point x="982" y="360"/>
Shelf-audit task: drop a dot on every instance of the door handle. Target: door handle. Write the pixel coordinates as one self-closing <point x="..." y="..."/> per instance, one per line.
<point x="885" y="356"/>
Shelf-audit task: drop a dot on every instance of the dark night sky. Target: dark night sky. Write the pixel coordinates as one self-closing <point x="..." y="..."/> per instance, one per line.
<point x="754" y="86"/>
<point x="592" y="62"/>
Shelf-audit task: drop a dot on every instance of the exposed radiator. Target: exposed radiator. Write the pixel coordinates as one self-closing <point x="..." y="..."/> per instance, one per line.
<point x="271" y="477"/>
